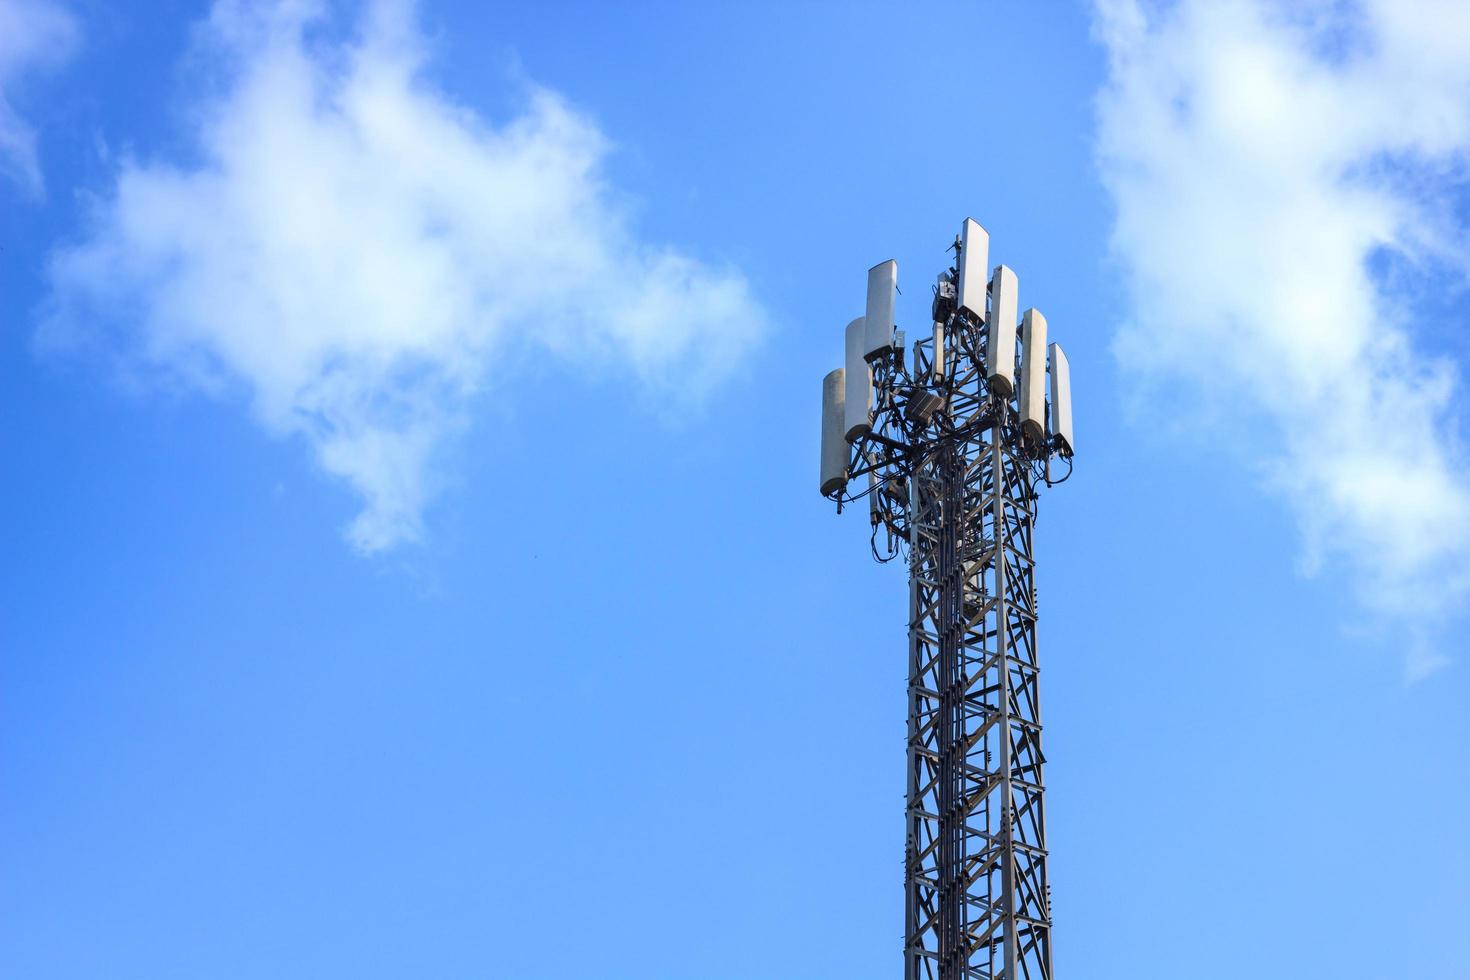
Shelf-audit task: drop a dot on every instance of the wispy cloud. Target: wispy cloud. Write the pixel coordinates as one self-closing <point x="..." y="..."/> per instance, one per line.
<point x="34" y="35"/>
<point x="1282" y="177"/>
<point x="356" y="246"/>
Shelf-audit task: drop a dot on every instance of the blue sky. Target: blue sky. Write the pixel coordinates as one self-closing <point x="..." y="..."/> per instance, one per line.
<point x="412" y="560"/>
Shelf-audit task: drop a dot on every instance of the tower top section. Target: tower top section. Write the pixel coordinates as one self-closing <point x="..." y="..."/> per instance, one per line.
<point x="978" y="363"/>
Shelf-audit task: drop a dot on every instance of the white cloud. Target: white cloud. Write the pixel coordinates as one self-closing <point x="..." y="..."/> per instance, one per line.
<point x="34" y="35"/>
<point x="1281" y="183"/>
<point x="359" y="249"/>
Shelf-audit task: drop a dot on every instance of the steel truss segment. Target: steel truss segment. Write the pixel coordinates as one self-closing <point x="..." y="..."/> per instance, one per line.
<point x="977" y="897"/>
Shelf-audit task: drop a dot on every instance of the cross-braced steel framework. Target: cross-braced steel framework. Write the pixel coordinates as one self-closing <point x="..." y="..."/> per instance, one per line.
<point x="977" y="901"/>
<point x="952" y="481"/>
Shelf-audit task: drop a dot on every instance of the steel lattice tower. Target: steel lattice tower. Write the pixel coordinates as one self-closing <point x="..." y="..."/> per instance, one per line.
<point x="954" y="452"/>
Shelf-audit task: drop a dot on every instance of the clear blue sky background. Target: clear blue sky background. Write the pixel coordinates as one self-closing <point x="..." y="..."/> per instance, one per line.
<point x="634" y="708"/>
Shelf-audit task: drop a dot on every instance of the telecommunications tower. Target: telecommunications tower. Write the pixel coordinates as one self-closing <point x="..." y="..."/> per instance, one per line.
<point x="950" y="447"/>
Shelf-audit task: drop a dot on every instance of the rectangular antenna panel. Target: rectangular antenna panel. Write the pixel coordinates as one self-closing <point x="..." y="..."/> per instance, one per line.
<point x="1000" y="345"/>
<point x="834" y="446"/>
<point x="1061" y="400"/>
<point x="938" y="351"/>
<point x="972" y="263"/>
<point x="882" y="290"/>
<point x="858" y="398"/>
<point x="1033" y="376"/>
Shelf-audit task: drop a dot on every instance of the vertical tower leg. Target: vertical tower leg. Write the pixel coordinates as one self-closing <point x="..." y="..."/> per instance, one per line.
<point x="927" y="866"/>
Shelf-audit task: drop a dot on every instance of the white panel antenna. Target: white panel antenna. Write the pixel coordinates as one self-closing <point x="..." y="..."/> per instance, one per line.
<point x="858" y="398"/>
<point x="1033" y="376"/>
<point x="938" y="351"/>
<point x="882" y="290"/>
<point x="1000" y="346"/>
<point x="974" y="270"/>
<point x="1061" y="401"/>
<point x="834" y="446"/>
